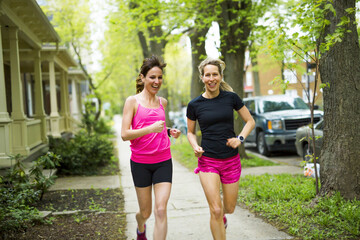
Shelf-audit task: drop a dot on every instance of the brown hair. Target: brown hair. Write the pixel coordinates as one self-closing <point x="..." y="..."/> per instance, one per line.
<point x="221" y="66"/>
<point x="148" y="64"/>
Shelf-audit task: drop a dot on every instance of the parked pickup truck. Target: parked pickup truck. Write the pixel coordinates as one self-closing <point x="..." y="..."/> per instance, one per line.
<point x="277" y="118"/>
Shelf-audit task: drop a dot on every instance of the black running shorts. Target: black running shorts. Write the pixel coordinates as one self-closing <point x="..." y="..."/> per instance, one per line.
<point x="145" y="175"/>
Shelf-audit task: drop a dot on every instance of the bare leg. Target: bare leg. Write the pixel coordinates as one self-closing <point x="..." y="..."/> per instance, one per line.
<point x="211" y="185"/>
<point x="230" y="194"/>
<point x="145" y="205"/>
<point x="162" y="194"/>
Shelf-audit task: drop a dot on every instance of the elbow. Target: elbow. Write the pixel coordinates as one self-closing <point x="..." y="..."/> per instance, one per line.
<point x="124" y="137"/>
<point x="252" y="124"/>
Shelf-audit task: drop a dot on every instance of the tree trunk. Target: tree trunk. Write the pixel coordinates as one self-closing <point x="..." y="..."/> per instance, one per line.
<point x="340" y="68"/>
<point x="155" y="47"/>
<point x="233" y="46"/>
<point x="198" y="50"/>
<point x="256" y="78"/>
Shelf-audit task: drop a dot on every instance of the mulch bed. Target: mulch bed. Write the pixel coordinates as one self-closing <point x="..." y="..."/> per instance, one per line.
<point x="79" y="214"/>
<point x="98" y="214"/>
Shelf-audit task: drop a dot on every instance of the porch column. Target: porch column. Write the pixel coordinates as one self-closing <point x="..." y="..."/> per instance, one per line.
<point x="5" y="141"/>
<point x="54" y="115"/>
<point x="39" y="99"/>
<point x="64" y="99"/>
<point x="19" y="129"/>
<point x="67" y="98"/>
<point x="74" y="101"/>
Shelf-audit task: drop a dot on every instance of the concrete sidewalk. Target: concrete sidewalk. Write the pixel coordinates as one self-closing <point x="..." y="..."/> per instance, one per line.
<point x="188" y="213"/>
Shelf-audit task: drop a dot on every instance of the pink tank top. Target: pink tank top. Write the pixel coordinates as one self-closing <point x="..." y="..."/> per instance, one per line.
<point x="153" y="147"/>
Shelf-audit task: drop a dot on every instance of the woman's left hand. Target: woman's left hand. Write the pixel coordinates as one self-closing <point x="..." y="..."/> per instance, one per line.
<point x="233" y="142"/>
<point x="175" y="132"/>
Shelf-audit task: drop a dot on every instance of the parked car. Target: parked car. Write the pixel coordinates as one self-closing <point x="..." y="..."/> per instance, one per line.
<point x="179" y="120"/>
<point x="303" y="139"/>
<point x="277" y="118"/>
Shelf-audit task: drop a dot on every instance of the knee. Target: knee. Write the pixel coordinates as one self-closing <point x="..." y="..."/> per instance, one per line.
<point x="229" y="209"/>
<point x="145" y="214"/>
<point x="216" y="212"/>
<point x="160" y="212"/>
<point x="229" y="206"/>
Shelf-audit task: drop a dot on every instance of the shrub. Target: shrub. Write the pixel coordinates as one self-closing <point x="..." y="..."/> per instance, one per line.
<point x="18" y="191"/>
<point x="83" y="154"/>
<point x="42" y="182"/>
<point x="92" y="125"/>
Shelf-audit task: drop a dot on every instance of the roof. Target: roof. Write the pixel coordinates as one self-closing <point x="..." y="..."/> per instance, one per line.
<point x="62" y="53"/>
<point x="28" y="17"/>
<point x="78" y="73"/>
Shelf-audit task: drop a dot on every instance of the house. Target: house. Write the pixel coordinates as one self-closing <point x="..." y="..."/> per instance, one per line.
<point x="39" y="82"/>
<point x="258" y="80"/>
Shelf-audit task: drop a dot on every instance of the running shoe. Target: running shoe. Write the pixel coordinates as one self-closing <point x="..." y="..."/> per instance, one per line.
<point x="225" y="221"/>
<point x="141" y="236"/>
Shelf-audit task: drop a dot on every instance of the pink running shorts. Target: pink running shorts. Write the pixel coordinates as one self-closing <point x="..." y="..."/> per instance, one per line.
<point x="229" y="169"/>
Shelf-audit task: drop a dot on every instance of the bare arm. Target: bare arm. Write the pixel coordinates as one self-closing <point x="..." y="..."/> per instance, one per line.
<point x="249" y="126"/>
<point x="192" y="138"/>
<point x="128" y="113"/>
<point x="248" y="119"/>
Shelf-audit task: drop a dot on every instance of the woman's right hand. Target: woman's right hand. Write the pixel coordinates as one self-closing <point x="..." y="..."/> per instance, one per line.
<point x="198" y="151"/>
<point x="157" y="127"/>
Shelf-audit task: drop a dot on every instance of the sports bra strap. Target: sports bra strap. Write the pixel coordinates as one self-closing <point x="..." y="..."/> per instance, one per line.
<point x="138" y="102"/>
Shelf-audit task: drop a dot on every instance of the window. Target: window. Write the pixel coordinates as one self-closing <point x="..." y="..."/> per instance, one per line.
<point x="304" y="77"/>
<point x="249" y="78"/>
<point x="282" y="104"/>
<point x="291" y="92"/>
<point x="290" y="76"/>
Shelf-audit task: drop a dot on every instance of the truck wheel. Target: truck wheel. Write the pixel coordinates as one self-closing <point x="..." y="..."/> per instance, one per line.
<point x="261" y="144"/>
<point x="307" y="153"/>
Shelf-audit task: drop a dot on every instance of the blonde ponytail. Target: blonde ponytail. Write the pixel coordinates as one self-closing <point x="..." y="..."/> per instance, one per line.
<point x="224" y="86"/>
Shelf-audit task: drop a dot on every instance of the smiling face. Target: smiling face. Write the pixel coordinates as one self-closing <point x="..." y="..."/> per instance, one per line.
<point x="153" y="80"/>
<point x="211" y="78"/>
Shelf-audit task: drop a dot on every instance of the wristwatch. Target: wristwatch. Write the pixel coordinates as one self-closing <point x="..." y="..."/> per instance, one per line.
<point x="241" y="138"/>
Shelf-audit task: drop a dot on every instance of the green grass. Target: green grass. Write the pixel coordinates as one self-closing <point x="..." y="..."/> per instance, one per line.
<point x="183" y="153"/>
<point x="289" y="201"/>
<point x="255" y="161"/>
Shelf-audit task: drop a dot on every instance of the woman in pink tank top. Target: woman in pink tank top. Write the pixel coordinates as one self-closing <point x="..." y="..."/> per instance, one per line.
<point x="151" y="165"/>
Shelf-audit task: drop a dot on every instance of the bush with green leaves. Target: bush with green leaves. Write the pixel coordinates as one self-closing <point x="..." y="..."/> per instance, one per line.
<point x="19" y="191"/>
<point x="91" y="124"/>
<point x="41" y="182"/>
<point x="83" y="154"/>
